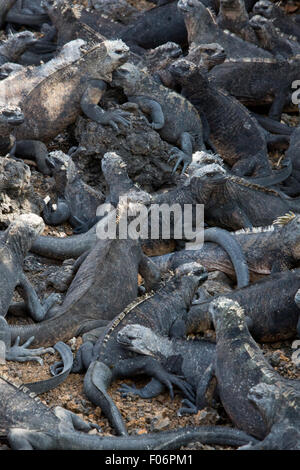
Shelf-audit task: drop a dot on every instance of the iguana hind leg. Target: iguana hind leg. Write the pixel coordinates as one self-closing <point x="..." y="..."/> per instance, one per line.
<point x="37" y="309"/>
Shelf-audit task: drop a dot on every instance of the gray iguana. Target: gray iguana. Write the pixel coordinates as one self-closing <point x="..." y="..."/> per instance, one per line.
<point x="183" y="128"/>
<point x="53" y="94"/>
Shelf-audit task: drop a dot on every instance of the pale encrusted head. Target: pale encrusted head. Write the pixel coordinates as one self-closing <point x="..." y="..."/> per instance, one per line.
<point x="138" y="338"/>
<point x="128" y="77"/>
<point x="11" y="115"/>
<point x="264" y="8"/>
<point x="224" y="311"/>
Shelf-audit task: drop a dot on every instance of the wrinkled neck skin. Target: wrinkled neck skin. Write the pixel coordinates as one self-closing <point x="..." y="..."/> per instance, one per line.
<point x="234" y="14"/>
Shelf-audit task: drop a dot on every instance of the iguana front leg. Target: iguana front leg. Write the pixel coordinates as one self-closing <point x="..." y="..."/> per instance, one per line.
<point x="149" y="272"/>
<point x="89" y="105"/>
<point x="36" y="309"/>
<point x="16" y="352"/>
<point x="153" y="108"/>
<point x="184" y="155"/>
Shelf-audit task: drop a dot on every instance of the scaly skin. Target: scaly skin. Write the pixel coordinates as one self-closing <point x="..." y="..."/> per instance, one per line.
<point x="266" y="249"/>
<point x="183" y="129"/>
<point x="245" y="377"/>
<point x="15" y="45"/>
<point x="234" y="133"/>
<point x="76" y="78"/>
<point x="279" y="19"/>
<point x="202" y="29"/>
<point x="77" y="201"/>
<point x="252" y="80"/>
<point x="193" y="358"/>
<point x="269" y="305"/>
<point x="233" y="16"/>
<point x="162" y="312"/>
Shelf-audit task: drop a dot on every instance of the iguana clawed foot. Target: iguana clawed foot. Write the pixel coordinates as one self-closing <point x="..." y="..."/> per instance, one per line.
<point x="22" y="353"/>
<point x="189" y="408"/>
<point x="181" y="158"/>
<point x="126" y="390"/>
<point x="113" y="118"/>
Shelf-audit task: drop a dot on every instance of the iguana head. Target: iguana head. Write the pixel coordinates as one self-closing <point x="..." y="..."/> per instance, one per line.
<point x="204" y="182"/>
<point x="188" y="74"/>
<point x="139" y="339"/>
<point x="116" y="54"/>
<point x="206" y="55"/>
<point x="10" y="116"/>
<point x="264" y="8"/>
<point x="231" y="5"/>
<point x="226" y="312"/>
<point x="63" y="169"/>
<point x="164" y="52"/>
<point x="196" y="16"/>
<point x="22" y="232"/>
<point x="16" y="44"/>
<point x="128" y="76"/>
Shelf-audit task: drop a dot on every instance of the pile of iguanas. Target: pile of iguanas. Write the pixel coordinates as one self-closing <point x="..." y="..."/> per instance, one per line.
<point x="108" y="112"/>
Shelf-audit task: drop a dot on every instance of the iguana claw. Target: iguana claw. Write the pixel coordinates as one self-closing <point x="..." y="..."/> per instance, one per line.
<point x="23" y="354"/>
<point x="182" y="158"/>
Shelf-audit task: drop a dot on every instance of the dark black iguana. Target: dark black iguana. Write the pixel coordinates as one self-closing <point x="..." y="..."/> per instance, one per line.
<point x="183" y="128"/>
<point x="269" y="38"/>
<point x="257" y="399"/>
<point x="280" y="20"/>
<point x="269" y="305"/>
<point x="77" y="202"/>
<point x="252" y="80"/>
<point x="266" y="249"/>
<point x="107" y="360"/>
<point x="29" y="424"/>
<point x="76" y="78"/>
<point x="234" y="133"/>
<point x="202" y="28"/>
<point x="230" y="202"/>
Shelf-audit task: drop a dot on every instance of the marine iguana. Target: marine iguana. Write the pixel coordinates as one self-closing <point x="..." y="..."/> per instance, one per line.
<point x="251" y="80"/>
<point x="10" y="117"/>
<point x="279" y="19"/>
<point x="230" y="202"/>
<point x="203" y="29"/>
<point x="29" y="424"/>
<point x="235" y="134"/>
<point x="270" y="317"/>
<point x="15" y="45"/>
<point x="183" y="128"/>
<point x="15" y="242"/>
<point x="268" y="37"/>
<point x="107" y="360"/>
<point x="234" y="17"/>
<point x="29" y="13"/>
<point x="76" y="78"/>
<point x="77" y="201"/>
<point x="95" y="280"/>
<point x="266" y="249"/>
<point x="257" y="399"/>
<point x="189" y="359"/>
